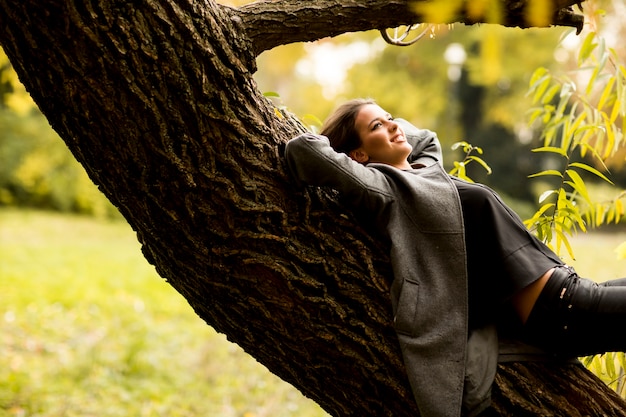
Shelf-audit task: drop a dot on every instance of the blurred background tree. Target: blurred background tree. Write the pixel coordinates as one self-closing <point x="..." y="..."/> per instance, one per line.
<point x="36" y="168"/>
<point x="477" y="95"/>
<point x="466" y="83"/>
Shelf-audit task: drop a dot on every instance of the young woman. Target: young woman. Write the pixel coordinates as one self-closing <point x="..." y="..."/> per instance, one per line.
<point x="460" y="257"/>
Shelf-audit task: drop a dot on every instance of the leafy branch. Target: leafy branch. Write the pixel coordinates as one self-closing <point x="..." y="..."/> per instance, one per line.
<point x="460" y="167"/>
<point x="588" y="122"/>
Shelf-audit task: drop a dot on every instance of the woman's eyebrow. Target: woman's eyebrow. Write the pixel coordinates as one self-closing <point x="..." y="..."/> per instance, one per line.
<point x="373" y="120"/>
<point x="378" y="118"/>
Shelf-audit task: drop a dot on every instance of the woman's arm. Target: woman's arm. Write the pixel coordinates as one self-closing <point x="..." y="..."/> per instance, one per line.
<point x="312" y="161"/>
<point x="426" y="146"/>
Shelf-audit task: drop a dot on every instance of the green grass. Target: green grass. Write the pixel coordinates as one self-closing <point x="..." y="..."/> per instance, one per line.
<point x="596" y="255"/>
<point x="87" y="328"/>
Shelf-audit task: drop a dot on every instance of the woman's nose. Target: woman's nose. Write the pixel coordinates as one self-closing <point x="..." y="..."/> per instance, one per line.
<point x="393" y="126"/>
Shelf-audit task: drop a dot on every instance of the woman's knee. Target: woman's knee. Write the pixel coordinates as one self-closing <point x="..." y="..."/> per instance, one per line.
<point x="621" y="282"/>
<point x="575" y="315"/>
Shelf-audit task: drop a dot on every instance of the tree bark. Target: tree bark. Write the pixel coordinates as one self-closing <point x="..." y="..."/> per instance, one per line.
<point x="156" y="99"/>
<point x="272" y="23"/>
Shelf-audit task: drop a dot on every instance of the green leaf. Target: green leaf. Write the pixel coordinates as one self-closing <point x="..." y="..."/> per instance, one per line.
<point x="457" y="145"/>
<point x="563" y="102"/>
<point x="592" y="170"/>
<point x="538" y="73"/>
<point x="552" y="149"/>
<point x="587" y="48"/>
<point x="537" y="77"/>
<point x="610" y="365"/>
<point x="617" y="107"/>
<point x="541" y="88"/>
<point x="543" y="197"/>
<point x="534" y="114"/>
<point x="311" y="120"/>
<point x="545" y="208"/>
<point x="577" y="122"/>
<point x="458" y="169"/>
<point x="610" y="214"/>
<point x="610" y="136"/>
<point x="619" y="209"/>
<point x="481" y="162"/>
<point x="578" y="184"/>
<point x="553" y="172"/>
<point x="549" y="95"/>
<point x="592" y="80"/>
<point x="608" y="89"/>
<point x="561" y="238"/>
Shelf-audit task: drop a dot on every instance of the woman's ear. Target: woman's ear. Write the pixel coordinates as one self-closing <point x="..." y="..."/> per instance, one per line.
<point x="359" y="155"/>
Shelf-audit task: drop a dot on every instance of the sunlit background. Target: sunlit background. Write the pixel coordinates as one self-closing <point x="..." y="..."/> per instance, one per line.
<point x="87" y="328"/>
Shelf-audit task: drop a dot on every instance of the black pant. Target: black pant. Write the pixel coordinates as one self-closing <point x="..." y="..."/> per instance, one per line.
<point x="577" y="317"/>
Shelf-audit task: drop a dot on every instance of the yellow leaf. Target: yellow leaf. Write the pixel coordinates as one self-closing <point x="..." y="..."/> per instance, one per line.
<point x="537" y="75"/>
<point x="619" y="207"/>
<point x="610" y="214"/>
<point x="546" y="172"/>
<point x="587" y="48"/>
<point x="441" y="11"/>
<point x="477" y="9"/>
<point x="491" y="54"/>
<point x="540" y="88"/>
<point x="616" y="110"/>
<point x="539" y="13"/>
<point x="608" y="89"/>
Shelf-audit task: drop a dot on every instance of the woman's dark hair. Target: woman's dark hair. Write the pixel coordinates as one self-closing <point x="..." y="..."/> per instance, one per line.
<point x="339" y="127"/>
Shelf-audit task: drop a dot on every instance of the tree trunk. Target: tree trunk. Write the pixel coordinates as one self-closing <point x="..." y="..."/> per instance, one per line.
<point x="156" y="99"/>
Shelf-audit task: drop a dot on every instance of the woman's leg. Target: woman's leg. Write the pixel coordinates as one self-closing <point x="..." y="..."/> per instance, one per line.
<point x="577" y="317"/>
<point x="621" y="282"/>
<point x="524" y="300"/>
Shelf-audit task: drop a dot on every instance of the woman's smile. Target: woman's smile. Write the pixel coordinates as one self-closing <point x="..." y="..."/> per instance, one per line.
<point x="382" y="139"/>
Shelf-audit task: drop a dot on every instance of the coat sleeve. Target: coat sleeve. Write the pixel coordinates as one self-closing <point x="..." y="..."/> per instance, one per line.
<point x="312" y="161"/>
<point x="426" y="146"/>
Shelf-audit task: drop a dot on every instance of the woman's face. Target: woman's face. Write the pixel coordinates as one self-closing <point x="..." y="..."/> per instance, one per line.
<point x="382" y="139"/>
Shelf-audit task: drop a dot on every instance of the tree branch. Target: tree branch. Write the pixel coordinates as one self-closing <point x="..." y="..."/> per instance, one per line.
<point x="272" y="23"/>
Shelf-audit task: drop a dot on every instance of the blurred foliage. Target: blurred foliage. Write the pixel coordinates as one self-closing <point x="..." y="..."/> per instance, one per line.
<point x="581" y="113"/>
<point x="87" y="328"/>
<point x="480" y="100"/>
<point x="36" y="168"/>
<point x="471" y="155"/>
<point x="610" y="368"/>
<point x="538" y="12"/>
<point x="483" y="106"/>
<point x="13" y="95"/>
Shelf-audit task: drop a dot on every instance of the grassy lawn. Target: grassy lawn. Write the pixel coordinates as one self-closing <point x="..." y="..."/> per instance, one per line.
<point x="87" y="328"/>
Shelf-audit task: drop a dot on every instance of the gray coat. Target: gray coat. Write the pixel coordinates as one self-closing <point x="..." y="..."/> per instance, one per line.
<point x="420" y="211"/>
